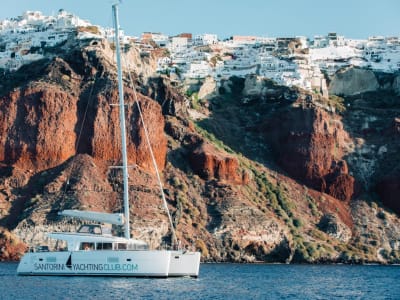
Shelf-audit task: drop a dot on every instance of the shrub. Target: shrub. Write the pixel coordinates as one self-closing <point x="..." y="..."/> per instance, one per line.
<point x="381" y="215"/>
<point x="337" y="102"/>
<point x="201" y="246"/>
<point x="195" y="103"/>
<point x="297" y="223"/>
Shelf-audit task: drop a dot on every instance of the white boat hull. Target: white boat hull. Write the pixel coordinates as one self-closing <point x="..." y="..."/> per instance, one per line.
<point x="184" y="264"/>
<point x="135" y="263"/>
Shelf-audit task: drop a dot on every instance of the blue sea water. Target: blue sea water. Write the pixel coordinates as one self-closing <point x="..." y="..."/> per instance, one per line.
<point x="216" y="281"/>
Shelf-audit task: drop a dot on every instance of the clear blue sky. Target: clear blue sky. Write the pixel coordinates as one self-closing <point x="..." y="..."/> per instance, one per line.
<point x="352" y="18"/>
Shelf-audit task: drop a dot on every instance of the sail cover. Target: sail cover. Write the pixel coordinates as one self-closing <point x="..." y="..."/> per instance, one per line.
<point x="117" y="219"/>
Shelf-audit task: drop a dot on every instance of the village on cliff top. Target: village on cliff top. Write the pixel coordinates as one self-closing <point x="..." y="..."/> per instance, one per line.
<point x="290" y="61"/>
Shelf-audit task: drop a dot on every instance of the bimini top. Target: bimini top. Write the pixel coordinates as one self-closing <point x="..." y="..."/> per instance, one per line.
<point x="116" y="219"/>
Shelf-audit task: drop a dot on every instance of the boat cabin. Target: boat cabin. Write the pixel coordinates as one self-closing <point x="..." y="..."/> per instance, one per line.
<point x="99" y="238"/>
<point x="100" y="246"/>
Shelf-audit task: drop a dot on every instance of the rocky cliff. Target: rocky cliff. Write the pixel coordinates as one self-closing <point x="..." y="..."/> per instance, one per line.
<point x="268" y="173"/>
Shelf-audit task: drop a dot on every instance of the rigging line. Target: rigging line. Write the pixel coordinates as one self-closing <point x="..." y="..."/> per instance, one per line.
<point x="175" y="240"/>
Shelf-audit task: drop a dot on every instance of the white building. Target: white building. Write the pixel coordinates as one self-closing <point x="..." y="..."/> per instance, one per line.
<point x="68" y="20"/>
<point x="206" y="39"/>
<point x="199" y="70"/>
<point x="178" y="44"/>
<point x="160" y="39"/>
<point x="320" y="41"/>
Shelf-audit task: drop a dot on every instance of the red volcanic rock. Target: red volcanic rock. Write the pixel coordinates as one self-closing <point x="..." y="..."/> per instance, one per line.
<point x="306" y="142"/>
<point x="209" y="163"/>
<point x="107" y="136"/>
<point x="39" y="126"/>
<point x="342" y="187"/>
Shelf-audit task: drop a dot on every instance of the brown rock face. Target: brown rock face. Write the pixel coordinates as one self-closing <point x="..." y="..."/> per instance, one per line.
<point x="160" y="89"/>
<point x="210" y="163"/>
<point x="333" y="226"/>
<point x="39" y="128"/>
<point x="11" y="247"/>
<point x="105" y="142"/>
<point x="306" y="141"/>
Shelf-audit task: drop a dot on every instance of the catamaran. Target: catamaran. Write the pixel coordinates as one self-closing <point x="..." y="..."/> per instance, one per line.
<point x="93" y="250"/>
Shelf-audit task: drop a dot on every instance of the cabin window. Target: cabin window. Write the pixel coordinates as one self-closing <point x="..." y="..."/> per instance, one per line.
<point x="95" y="230"/>
<point x="86" y="246"/>
<point x="105" y="230"/>
<point x="104" y="246"/>
<point x="121" y="246"/>
<point x="91" y="229"/>
<point x="84" y="229"/>
<point x="42" y="249"/>
<point x="138" y="247"/>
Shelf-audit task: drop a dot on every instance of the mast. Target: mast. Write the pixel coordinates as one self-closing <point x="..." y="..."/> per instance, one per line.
<point x="122" y="123"/>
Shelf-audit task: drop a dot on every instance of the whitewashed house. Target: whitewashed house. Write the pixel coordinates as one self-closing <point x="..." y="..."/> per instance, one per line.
<point x="178" y="44"/>
<point x="205" y="39"/>
<point x="199" y="70"/>
<point x="320" y="41"/>
<point x="160" y="39"/>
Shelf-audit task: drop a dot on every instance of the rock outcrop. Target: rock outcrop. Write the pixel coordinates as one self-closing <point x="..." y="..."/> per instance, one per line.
<point x="161" y="90"/>
<point x="35" y="119"/>
<point x="308" y="144"/>
<point x="209" y="89"/>
<point x="11" y="248"/>
<point x="353" y="81"/>
<point x="209" y="163"/>
<point x="333" y="226"/>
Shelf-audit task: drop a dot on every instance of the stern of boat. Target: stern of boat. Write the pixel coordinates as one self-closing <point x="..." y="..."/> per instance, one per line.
<point x="184" y="264"/>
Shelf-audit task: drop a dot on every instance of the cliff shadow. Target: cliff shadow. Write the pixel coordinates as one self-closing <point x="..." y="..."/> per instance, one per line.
<point x="371" y="119"/>
<point x="215" y="217"/>
<point x="27" y="73"/>
<point x="237" y="122"/>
